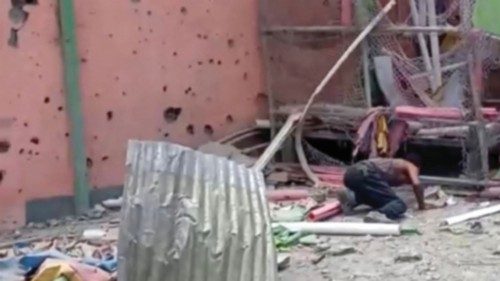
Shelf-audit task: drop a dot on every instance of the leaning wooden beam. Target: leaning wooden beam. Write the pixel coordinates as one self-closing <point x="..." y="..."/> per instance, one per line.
<point x="423" y="44"/>
<point x="347" y="29"/>
<point x="436" y="55"/>
<point x="298" y="133"/>
<point x="277" y="141"/>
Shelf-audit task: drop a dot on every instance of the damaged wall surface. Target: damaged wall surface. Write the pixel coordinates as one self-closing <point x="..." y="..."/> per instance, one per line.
<point x="183" y="71"/>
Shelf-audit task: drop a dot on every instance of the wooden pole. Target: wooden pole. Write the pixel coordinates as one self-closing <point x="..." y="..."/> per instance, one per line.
<point x="74" y="104"/>
<point x="423" y="45"/>
<point x="332" y="29"/>
<point x="366" y="73"/>
<point x="436" y="55"/>
<point x="324" y="82"/>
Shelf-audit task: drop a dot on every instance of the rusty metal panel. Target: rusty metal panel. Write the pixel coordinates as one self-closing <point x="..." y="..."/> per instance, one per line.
<point x="191" y="216"/>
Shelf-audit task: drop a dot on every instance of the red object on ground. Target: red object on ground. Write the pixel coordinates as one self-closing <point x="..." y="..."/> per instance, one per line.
<point x="326" y="211"/>
<point x="286" y="194"/>
<point x="448" y="113"/>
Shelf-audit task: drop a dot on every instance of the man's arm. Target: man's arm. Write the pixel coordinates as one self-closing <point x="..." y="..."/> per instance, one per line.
<point x="413" y="173"/>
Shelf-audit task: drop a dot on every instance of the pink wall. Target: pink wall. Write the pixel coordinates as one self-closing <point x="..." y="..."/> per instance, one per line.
<point x="138" y="59"/>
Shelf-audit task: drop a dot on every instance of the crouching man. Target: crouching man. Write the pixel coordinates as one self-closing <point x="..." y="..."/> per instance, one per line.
<point x="370" y="182"/>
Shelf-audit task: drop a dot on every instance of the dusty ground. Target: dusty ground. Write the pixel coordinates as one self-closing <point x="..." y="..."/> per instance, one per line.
<point x="461" y="253"/>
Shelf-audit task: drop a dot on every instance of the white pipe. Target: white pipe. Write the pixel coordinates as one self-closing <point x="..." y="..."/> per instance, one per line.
<point x="472" y="215"/>
<point x="342" y="228"/>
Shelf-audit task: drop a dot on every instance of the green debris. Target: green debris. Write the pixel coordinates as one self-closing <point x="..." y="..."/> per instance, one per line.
<point x="289" y="214"/>
<point x="486" y="16"/>
<point x="284" y="239"/>
<point x="309" y="240"/>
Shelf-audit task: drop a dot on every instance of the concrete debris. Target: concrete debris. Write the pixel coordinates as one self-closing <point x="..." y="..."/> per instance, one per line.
<point x="114" y="203"/>
<point x="476" y="227"/>
<point x="496" y="252"/>
<point x="283" y="261"/>
<point x="277" y="177"/>
<point x="341" y="250"/>
<point x="93" y="234"/>
<point x="317" y="258"/>
<point x="292" y="213"/>
<point x="321" y="247"/>
<point x="309" y="240"/>
<point x="408" y="255"/>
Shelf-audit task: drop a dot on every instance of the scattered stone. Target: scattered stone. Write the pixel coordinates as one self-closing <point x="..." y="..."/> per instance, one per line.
<point x="408" y="256"/>
<point x="53" y="223"/>
<point x="283" y="261"/>
<point x="16" y="234"/>
<point x="476" y="228"/>
<point x="113" y="204"/>
<point x="39" y="225"/>
<point x="289" y="214"/>
<point x="497" y="251"/>
<point x="321" y="247"/>
<point x="96" y="213"/>
<point x="342" y="250"/>
<point x="317" y="258"/>
<point x="319" y="196"/>
<point x="309" y="240"/>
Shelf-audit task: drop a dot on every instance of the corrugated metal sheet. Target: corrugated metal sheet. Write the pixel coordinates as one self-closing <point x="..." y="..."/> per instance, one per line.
<point x="189" y="216"/>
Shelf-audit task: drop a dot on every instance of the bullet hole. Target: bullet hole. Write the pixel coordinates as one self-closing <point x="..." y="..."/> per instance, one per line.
<point x="211" y="61"/>
<point x="149" y="13"/>
<point x="205" y="37"/>
<point x="90" y="163"/>
<point x="110" y="35"/>
<point x="208" y="11"/>
<point x="184" y="10"/>
<point x="37" y="153"/>
<point x="4" y="146"/>
<point x="97" y="95"/>
<point x="166" y="135"/>
<point x="208" y="130"/>
<point x="66" y="134"/>
<point x="200" y="63"/>
<point x="35" y="140"/>
<point x="21" y="151"/>
<point x="124" y="93"/>
<point x="236" y="62"/>
<point x="189" y="66"/>
<point x="19" y="191"/>
<point x="134" y="52"/>
<point x="219" y="62"/>
<point x="25" y="124"/>
<point x="96" y="137"/>
<point x="326" y="3"/>
<point x="165" y="88"/>
<point x="229" y="118"/>
<point x="60" y="108"/>
<point x="46" y="100"/>
<point x="230" y="43"/>
<point x="105" y="158"/>
<point x="83" y="60"/>
<point x="150" y="31"/>
<point x="190" y="129"/>
<point x="261" y="97"/>
<point x="245" y="76"/>
<point x="2" y="175"/>
<point x="117" y="78"/>
<point x="171" y="114"/>
<point x="109" y="115"/>
<point x="13" y="38"/>
<point x="188" y="90"/>
<point x="247" y="53"/>
<point x="199" y="36"/>
<point x="30" y="152"/>
<point x="139" y="28"/>
<point x="174" y="54"/>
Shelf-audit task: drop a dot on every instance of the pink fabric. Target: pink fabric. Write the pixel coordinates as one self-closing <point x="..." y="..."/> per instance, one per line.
<point x="447" y="113"/>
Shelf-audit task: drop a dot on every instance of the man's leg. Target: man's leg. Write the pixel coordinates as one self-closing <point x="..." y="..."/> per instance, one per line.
<point x="370" y="189"/>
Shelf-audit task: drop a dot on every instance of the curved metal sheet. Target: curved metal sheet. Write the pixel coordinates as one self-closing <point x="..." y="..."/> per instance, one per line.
<point x="191" y="216"/>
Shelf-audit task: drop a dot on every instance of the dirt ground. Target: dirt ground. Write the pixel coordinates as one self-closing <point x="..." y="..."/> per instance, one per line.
<point x="468" y="251"/>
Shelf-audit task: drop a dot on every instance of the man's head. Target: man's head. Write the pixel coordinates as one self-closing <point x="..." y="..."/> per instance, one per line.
<point x="414" y="158"/>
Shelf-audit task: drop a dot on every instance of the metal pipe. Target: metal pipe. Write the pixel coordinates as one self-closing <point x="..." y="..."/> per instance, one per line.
<point x="472" y="215"/>
<point x="74" y="104"/>
<point x="333" y="29"/>
<point x="342" y="228"/>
